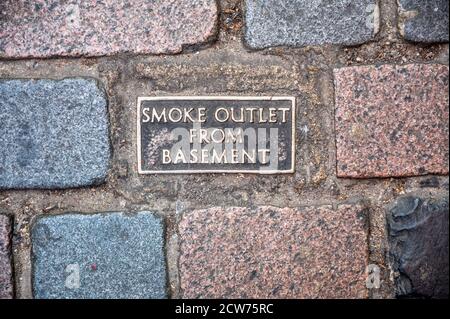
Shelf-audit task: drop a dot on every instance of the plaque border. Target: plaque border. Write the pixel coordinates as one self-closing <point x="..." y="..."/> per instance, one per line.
<point x="140" y="99"/>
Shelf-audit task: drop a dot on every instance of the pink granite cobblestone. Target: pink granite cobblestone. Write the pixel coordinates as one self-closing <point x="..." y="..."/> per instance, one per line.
<point x="268" y="252"/>
<point x="95" y="28"/>
<point x="392" y="121"/>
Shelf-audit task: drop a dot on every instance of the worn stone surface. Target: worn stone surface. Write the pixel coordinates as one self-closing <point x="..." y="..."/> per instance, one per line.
<point x="424" y="21"/>
<point x="118" y="256"/>
<point x="6" y="286"/>
<point x="53" y="134"/>
<point x="392" y="120"/>
<point x="309" y="22"/>
<point x="226" y="68"/>
<point x="270" y="252"/>
<point x="418" y="235"/>
<point x="95" y="28"/>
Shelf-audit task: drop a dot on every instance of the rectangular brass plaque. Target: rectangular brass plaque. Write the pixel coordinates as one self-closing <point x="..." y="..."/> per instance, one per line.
<point x="216" y="134"/>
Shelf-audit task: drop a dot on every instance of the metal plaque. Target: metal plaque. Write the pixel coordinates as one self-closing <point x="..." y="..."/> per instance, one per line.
<point x="216" y="134"/>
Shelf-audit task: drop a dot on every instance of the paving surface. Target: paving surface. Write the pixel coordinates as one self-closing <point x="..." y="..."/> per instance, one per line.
<point x="418" y="237"/>
<point x="309" y="22"/>
<point x="273" y="253"/>
<point x="99" y="256"/>
<point x="424" y="21"/>
<point x="6" y="285"/>
<point x="74" y="143"/>
<point x="93" y="28"/>
<point x="392" y="120"/>
<point x="53" y="134"/>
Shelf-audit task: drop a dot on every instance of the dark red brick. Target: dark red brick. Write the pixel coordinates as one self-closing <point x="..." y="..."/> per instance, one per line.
<point x="268" y="252"/>
<point x="392" y="120"/>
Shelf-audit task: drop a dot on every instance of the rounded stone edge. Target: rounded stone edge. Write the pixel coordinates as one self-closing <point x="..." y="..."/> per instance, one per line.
<point x="102" y="175"/>
<point x="154" y="216"/>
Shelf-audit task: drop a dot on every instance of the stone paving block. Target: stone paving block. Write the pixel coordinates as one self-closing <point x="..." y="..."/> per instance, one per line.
<point x="95" y="28"/>
<point x="99" y="256"/>
<point x="392" y="120"/>
<point x="268" y="252"/>
<point x="6" y="285"/>
<point x="424" y="21"/>
<point x="418" y="238"/>
<point x="310" y="22"/>
<point x="53" y="134"/>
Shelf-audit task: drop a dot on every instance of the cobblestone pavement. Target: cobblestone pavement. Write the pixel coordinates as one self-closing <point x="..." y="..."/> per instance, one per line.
<point x="364" y="215"/>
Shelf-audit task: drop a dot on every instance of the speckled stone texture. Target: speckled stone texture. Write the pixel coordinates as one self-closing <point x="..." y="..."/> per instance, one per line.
<point x="95" y="28"/>
<point x="6" y="285"/>
<point x="118" y="256"/>
<point x="53" y="134"/>
<point x="309" y="22"/>
<point x="418" y="238"/>
<point x="392" y="120"/>
<point x="270" y="252"/>
<point x="424" y="21"/>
